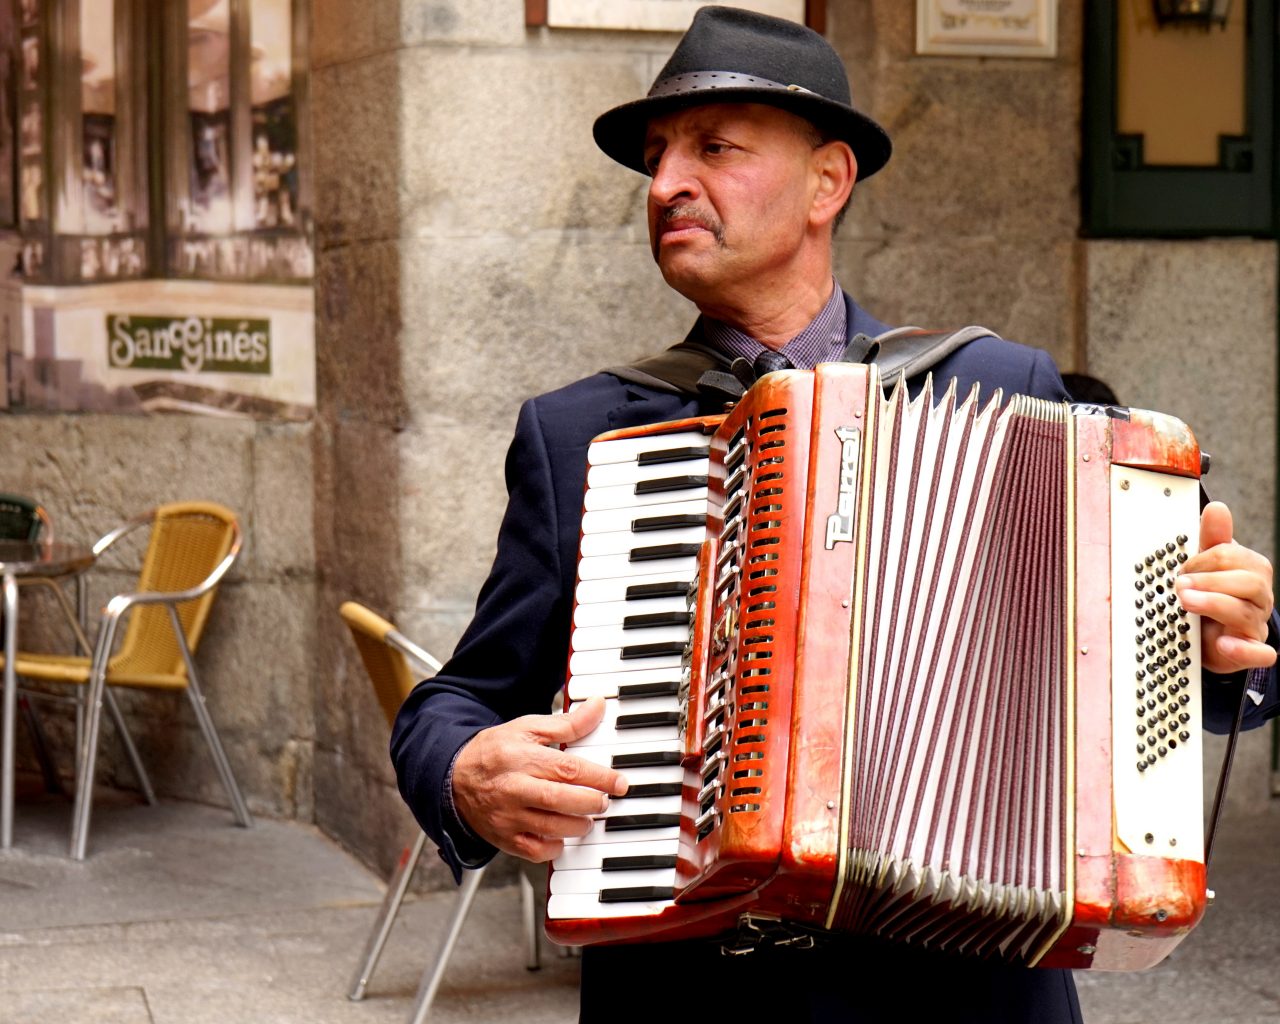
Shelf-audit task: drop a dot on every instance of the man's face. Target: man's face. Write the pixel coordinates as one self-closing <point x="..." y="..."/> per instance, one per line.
<point x="730" y="197"/>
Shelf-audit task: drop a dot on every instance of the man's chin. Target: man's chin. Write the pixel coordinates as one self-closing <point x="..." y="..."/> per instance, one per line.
<point x="690" y="277"/>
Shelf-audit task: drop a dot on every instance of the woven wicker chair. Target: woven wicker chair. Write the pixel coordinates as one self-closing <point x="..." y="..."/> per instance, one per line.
<point x="387" y="655"/>
<point x="191" y="547"/>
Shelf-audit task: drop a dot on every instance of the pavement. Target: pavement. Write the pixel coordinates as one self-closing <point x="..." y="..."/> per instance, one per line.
<point x="179" y="917"/>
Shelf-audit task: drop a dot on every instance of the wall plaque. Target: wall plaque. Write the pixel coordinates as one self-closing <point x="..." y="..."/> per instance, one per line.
<point x="987" y="28"/>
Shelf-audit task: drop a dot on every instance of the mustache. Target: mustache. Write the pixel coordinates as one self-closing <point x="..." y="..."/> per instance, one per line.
<point x="688" y="212"/>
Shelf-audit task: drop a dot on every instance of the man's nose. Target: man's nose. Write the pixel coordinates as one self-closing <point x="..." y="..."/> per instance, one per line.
<point x="673" y="179"/>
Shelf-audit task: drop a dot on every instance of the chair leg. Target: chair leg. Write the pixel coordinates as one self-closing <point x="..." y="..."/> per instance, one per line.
<point x="140" y="773"/>
<point x="431" y="979"/>
<point x="396" y="887"/>
<point x="89" y="747"/>
<point x="238" y="807"/>
<point x="529" y="917"/>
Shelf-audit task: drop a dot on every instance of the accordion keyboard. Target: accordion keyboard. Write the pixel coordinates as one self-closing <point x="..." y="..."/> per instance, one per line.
<point x="645" y="518"/>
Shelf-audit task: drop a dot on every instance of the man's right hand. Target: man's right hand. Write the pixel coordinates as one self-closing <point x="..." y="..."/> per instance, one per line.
<point x="514" y="787"/>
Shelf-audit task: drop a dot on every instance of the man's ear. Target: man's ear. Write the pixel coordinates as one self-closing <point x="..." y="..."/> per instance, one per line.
<point x="835" y="169"/>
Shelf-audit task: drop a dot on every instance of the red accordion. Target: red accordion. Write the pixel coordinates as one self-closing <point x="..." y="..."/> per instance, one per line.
<point x="896" y="668"/>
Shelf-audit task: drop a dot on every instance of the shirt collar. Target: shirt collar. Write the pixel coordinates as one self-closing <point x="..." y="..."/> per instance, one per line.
<point x="823" y="340"/>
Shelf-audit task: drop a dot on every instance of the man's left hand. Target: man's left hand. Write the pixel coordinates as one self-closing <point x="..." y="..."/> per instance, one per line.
<point x="1230" y="586"/>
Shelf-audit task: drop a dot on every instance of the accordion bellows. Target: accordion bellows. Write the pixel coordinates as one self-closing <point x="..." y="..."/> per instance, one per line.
<point x="931" y="682"/>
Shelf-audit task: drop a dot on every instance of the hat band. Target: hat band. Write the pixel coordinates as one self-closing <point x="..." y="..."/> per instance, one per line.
<point x="697" y="81"/>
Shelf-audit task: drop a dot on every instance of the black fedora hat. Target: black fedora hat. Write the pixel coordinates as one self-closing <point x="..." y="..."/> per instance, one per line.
<point x="735" y="56"/>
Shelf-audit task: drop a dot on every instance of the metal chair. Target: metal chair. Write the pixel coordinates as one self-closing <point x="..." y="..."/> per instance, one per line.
<point x="190" y="548"/>
<point x="387" y="654"/>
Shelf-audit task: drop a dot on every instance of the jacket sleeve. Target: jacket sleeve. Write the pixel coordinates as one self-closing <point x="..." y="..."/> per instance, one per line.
<point x="509" y="662"/>
<point x="1222" y="694"/>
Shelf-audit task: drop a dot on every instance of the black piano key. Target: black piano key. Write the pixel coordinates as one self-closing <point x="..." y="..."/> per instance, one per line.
<point x="651" y="789"/>
<point x="646" y="863"/>
<point x="637" y="894"/>
<point x="673" y="455"/>
<point x="657" y="551"/>
<point x="667" y="588"/>
<point x="657" y="619"/>
<point x="635" y="822"/>
<point x="650" y="523"/>
<point x="632" y="691"/>
<point x="671" y="483"/>
<point x="648" y="719"/>
<point x="652" y="650"/>
<point x="646" y="759"/>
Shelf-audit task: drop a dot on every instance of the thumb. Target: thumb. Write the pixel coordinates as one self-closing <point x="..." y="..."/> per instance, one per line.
<point x="566" y="728"/>
<point x="1215" y="525"/>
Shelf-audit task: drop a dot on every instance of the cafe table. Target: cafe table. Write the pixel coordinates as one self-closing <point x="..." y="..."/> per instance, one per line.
<point x="25" y="561"/>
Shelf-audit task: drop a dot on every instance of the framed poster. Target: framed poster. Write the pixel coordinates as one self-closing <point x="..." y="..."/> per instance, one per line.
<point x="658" y="15"/>
<point x="987" y="28"/>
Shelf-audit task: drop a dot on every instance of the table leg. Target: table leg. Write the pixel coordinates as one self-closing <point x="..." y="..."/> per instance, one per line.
<point x="10" y="709"/>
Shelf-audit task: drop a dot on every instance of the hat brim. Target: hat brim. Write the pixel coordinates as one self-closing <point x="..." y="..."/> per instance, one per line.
<point x="620" y="132"/>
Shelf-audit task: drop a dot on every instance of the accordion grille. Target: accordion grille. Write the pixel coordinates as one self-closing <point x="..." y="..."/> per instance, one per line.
<point x="956" y="825"/>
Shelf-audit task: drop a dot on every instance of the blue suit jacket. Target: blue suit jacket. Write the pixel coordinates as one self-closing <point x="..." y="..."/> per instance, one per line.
<point x="511" y="659"/>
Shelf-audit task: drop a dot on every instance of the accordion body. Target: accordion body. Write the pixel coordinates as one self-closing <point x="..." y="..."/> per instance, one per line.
<point x="928" y="680"/>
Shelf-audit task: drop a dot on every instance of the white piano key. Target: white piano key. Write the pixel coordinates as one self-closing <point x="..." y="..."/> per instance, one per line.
<point x="601" y="567"/>
<point x="597" y="638"/>
<point x="627" y="449"/>
<point x="619" y="807"/>
<point x="611" y="520"/>
<point x="588" y="662"/>
<point x="611" y="613"/>
<point x="624" y="542"/>
<point x="613" y="474"/>
<point x="574" y="906"/>
<point x="575" y="858"/>
<point x="588" y="880"/>
<point x="667" y="773"/>
<point x="605" y="684"/>
<point x="608" y="736"/>
<point x="624" y="496"/>
<point x="610" y="590"/>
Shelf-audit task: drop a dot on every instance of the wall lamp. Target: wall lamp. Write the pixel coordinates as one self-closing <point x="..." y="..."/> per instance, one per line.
<point x="1201" y="13"/>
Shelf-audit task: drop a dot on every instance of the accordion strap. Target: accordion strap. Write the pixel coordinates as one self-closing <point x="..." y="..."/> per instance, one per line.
<point x="900" y="353"/>
<point x="1224" y="774"/>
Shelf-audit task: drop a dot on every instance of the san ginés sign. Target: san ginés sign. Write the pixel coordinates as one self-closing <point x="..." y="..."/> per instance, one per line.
<point x="192" y="344"/>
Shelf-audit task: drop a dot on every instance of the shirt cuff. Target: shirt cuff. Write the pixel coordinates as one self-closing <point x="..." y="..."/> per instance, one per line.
<point x="472" y="851"/>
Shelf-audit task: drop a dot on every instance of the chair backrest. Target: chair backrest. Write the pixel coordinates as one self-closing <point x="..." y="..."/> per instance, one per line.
<point x="23" y="518"/>
<point x="388" y="668"/>
<point x="188" y="541"/>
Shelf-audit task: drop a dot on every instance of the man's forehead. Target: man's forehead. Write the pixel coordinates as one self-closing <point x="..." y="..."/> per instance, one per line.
<point x="719" y="116"/>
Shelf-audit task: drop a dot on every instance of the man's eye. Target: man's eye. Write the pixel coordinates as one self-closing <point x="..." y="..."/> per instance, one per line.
<point x="716" y="148"/>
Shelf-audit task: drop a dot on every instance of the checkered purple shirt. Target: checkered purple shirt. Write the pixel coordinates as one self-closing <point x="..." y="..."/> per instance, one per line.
<point x="822" y="341"/>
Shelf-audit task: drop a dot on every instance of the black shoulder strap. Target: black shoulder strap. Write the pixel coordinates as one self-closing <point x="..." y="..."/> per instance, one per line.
<point x="900" y="353"/>
<point x="906" y="351"/>
<point x="676" y="370"/>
